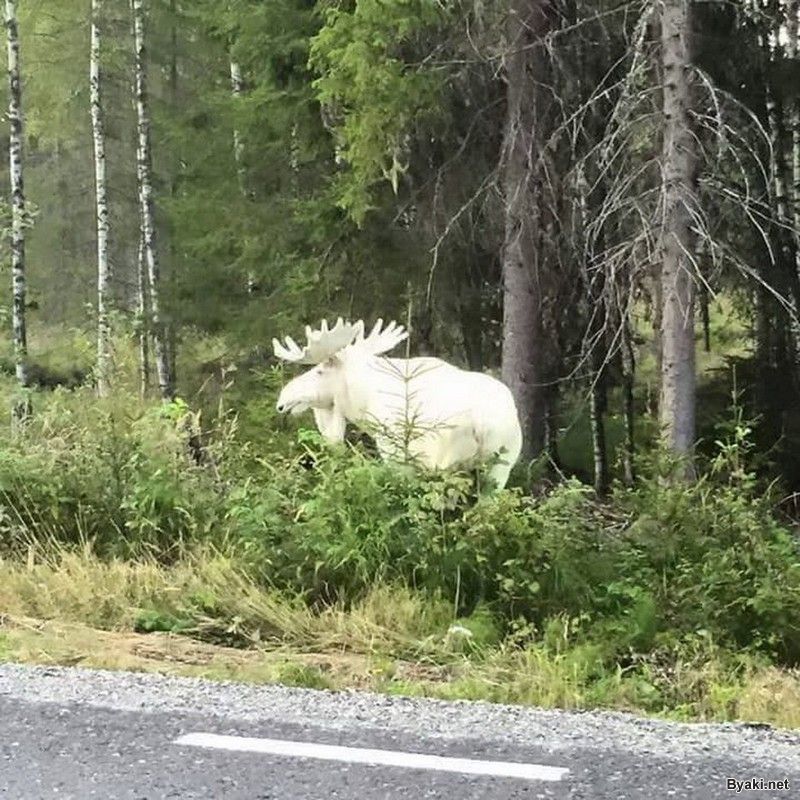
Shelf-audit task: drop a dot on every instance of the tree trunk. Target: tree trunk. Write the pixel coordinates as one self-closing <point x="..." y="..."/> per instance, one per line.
<point x="237" y="88"/>
<point x="470" y="310"/>
<point x="705" y="318"/>
<point x="523" y="346"/>
<point x="143" y="316"/>
<point x="22" y="407"/>
<point x="677" y="405"/>
<point x="597" y="410"/>
<point x="171" y="329"/>
<point x="551" y="429"/>
<point x="628" y="357"/>
<point x="793" y="173"/>
<point x="104" y="356"/>
<point x="294" y="160"/>
<point x="144" y="174"/>
<point x="788" y="281"/>
<point x="423" y="329"/>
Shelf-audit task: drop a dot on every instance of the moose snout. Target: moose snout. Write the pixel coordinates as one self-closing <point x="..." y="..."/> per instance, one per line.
<point x="285" y="403"/>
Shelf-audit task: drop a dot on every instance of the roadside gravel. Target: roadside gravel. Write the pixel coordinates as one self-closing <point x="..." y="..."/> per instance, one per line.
<point x="552" y="730"/>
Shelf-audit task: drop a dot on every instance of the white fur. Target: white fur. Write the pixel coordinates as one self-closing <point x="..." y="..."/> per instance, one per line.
<point x="441" y="415"/>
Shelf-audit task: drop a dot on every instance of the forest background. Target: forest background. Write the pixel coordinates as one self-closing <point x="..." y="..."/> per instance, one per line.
<point x="598" y="202"/>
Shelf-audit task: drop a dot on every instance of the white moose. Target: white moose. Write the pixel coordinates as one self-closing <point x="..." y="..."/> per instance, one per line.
<point x="437" y="414"/>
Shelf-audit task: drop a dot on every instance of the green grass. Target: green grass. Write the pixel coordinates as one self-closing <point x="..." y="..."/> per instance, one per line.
<point x="118" y="550"/>
<point x="67" y="606"/>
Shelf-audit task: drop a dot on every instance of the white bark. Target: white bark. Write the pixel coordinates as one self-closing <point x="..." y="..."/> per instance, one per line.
<point x="141" y="312"/>
<point x="793" y="12"/>
<point x="677" y="406"/>
<point x="783" y="185"/>
<point x="237" y="88"/>
<point x="104" y="356"/>
<point x="144" y="174"/>
<point x="19" y="333"/>
<point x="294" y="159"/>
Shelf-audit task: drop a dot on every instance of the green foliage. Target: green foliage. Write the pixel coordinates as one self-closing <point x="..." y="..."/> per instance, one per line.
<point x="651" y="569"/>
<point x="366" y="80"/>
<point x="115" y="472"/>
<point x="152" y="620"/>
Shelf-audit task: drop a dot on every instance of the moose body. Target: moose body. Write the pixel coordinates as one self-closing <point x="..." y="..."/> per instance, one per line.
<point x="424" y="408"/>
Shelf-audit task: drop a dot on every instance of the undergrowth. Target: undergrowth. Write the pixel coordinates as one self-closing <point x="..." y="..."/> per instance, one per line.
<point x="670" y="599"/>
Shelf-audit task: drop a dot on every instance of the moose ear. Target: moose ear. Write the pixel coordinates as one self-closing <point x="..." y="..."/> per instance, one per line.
<point x="333" y="361"/>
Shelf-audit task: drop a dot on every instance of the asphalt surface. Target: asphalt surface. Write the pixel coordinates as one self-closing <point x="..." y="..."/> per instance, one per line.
<point x="70" y="733"/>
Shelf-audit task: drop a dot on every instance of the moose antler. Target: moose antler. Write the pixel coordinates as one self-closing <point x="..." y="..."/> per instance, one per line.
<point x="320" y="344"/>
<point x="382" y="341"/>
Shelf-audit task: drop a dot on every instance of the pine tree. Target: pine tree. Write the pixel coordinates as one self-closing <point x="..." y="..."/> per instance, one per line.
<point x="523" y="278"/>
<point x="677" y="276"/>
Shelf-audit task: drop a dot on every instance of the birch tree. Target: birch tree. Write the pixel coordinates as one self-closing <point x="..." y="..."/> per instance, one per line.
<point x="793" y="10"/>
<point x="792" y="23"/>
<point x="781" y="170"/>
<point x="237" y="90"/>
<point x="145" y="181"/>
<point x="679" y="168"/>
<point x="141" y="319"/>
<point x="104" y="356"/>
<point x="22" y="407"/>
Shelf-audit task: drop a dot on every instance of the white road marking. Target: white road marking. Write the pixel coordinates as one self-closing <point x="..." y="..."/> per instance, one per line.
<point x="384" y="758"/>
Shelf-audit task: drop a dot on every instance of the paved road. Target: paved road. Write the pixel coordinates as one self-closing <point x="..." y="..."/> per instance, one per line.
<point x="81" y="734"/>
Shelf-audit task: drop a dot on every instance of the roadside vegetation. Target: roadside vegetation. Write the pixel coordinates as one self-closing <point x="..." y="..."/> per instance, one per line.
<point x="144" y="535"/>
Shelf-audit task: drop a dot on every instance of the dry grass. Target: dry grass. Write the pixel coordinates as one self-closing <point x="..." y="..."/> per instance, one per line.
<point x="211" y="598"/>
<point x="66" y="606"/>
<point x="772" y="695"/>
<point x="74" y="644"/>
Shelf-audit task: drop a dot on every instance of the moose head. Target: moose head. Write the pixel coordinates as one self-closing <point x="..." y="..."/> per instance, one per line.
<point x="339" y="356"/>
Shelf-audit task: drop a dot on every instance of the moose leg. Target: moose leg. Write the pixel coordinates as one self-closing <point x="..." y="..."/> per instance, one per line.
<point x="497" y="475"/>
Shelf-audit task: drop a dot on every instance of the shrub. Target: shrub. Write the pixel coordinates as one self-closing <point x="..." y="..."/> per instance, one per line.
<point x="636" y="574"/>
<point x="115" y="472"/>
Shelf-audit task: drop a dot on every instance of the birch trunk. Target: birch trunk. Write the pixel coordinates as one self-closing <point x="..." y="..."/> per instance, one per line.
<point x="787" y="279"/>
<point x="22" y="408"/>
<point x="144" y="175"/>
<point x="104" y="356"/>
<point x="597" y="410"/>
<point x="522" y="351"/>
<point x="237" y="89"/>
<point x="171" y="330"/>
<point x="782" y="178"/>
<point x="793" y="23"/>
<point x="793" y="173"/>
<point x="142" y="314"/>
<point x="677" y="406"/>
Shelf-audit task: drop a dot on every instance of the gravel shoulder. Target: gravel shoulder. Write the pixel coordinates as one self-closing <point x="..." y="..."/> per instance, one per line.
<point x="549" y="730"/>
